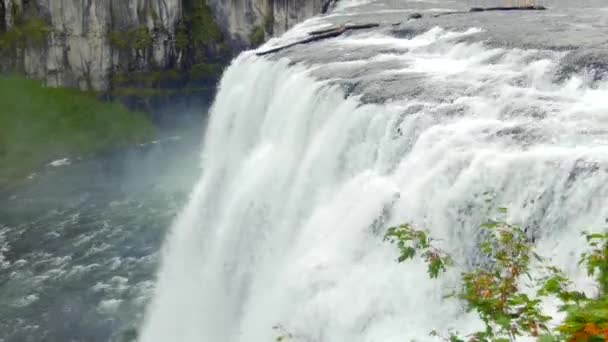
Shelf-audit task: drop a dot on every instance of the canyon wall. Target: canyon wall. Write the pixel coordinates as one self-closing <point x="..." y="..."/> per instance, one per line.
<point x="131" y="46"/>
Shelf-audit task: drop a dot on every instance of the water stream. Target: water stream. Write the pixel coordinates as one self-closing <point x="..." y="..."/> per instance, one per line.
<point x="312" y="154"/>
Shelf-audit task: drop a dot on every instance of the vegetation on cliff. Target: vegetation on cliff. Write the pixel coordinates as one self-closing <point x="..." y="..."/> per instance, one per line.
<point x="40" y="124"/>
<point x="26" y="31"/>
<point x="257" y="36"/>
<point x="199" y="42"/>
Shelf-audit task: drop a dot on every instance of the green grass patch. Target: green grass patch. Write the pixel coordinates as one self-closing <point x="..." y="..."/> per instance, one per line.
<point x="40" y="124"/>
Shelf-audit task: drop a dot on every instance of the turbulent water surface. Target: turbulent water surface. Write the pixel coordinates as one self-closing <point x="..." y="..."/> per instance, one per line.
<point x="311" y="153"/>
<point x="79" y="241"/>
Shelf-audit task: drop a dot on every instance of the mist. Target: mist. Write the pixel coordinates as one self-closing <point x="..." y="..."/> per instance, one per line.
<point x="80" y="238"/>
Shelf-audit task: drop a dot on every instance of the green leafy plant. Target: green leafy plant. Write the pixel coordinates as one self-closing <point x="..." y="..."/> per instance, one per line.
<point x="139" y="38"/>
<point x="494" y="290"/>
<point x="502" y="291"/>
<point x="410" y="241"/>
<point x="587" y="318"/>
<point x="596" y="261"/>
<point x="497" y="289"/>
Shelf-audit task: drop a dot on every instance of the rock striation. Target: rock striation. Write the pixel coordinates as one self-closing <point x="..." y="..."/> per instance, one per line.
<point x="106" y="45"/>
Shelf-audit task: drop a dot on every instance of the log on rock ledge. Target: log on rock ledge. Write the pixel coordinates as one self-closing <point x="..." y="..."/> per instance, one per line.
<point x="514" y="8"/>
<point x="320" y="35"/>
<point x="346" y="27"/>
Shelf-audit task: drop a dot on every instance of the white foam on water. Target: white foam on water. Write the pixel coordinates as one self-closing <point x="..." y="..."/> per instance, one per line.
<point x="4" y="248"/>
<point x="60" y="162"/>
<point x="109" y="306"/>
<point x="26" y="300"/>
<point x="285" y="225"/>
<point x="432" y="36"/>
<point x="349" y="4"/>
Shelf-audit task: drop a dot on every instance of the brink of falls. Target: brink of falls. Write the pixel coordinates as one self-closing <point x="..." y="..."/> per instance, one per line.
<point x="311" y="153"/>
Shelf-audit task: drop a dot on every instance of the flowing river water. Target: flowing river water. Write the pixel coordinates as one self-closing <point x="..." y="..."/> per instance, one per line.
<point x="310" y="155"/>
<point x="80" y="239"/>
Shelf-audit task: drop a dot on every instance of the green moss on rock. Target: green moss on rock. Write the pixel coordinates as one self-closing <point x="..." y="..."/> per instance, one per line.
<point x="139" y="38"/>
<point x="206" y="71"/>
<point x="25" y="31"/>
<point x="269" y="24"/>
<point x="199" y="37"/>
<point x="199" y="42"/>
<point x="118" y="40"/>
<point x="257" y="36"/>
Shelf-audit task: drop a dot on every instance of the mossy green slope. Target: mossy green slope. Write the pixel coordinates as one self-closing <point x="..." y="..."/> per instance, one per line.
<point x="39" y="124"/>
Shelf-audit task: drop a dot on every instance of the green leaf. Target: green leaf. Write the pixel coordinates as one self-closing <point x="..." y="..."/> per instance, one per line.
<point x="435" y="266"/>
<point x="546" y="338"/>
<point x="490" y="225"/>
<point x="504" y="321"/>
<point x="407" y="253"/>
<point x="595" y="236"/>
<point x="553" y="285"/>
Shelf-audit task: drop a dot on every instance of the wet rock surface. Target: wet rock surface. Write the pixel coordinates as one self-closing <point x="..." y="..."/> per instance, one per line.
<point x="573" y="34"/>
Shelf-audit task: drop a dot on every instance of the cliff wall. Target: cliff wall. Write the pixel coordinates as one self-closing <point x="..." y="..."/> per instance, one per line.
<point x="134" y="46"/>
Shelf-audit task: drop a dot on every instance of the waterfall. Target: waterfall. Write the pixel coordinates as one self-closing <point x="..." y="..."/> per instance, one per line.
<point x="301" y="179"/>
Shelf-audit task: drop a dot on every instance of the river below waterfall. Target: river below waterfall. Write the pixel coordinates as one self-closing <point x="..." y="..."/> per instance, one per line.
<point x="79" y="240"/>
<point x="309" y="156"/>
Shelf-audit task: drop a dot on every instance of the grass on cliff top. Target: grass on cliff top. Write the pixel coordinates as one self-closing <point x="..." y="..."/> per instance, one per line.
<point x="40" y="124"/>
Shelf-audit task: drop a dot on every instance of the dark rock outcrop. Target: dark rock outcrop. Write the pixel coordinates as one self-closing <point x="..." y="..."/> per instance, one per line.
<point x="2" y="17"/>
<point x="320" y="35"/>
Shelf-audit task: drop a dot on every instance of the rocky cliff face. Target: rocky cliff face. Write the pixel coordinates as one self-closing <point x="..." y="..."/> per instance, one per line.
<point x="249" y="21"/>
<point x="134" y="44"/>
<point x="70" y="42"/>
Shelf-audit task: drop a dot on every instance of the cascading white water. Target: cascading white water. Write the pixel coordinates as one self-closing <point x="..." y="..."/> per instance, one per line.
<point x="285" y="225"/>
